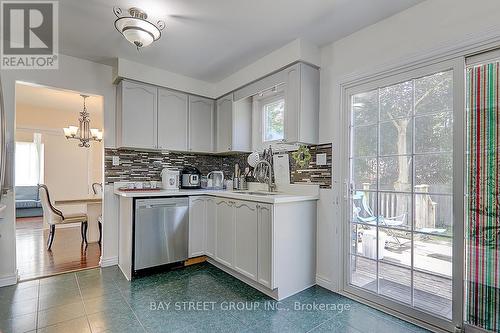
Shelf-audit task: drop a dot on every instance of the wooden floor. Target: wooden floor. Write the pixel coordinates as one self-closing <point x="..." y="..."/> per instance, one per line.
<point x="67" y="253"/>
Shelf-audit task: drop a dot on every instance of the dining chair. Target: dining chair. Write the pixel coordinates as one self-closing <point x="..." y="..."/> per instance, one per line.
<point x="53" y="216"/>
<point x="97" y="189"/>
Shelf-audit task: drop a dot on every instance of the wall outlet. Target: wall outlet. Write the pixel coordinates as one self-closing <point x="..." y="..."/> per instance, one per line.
<point x="321" y="159"/>
<point x="116" y="160"/>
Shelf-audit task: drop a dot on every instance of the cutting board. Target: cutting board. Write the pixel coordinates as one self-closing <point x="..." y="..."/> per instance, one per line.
<point x="281" y="166"/>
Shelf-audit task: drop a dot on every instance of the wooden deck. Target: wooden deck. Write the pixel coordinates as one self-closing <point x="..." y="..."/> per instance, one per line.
<point x="432" y="294"/>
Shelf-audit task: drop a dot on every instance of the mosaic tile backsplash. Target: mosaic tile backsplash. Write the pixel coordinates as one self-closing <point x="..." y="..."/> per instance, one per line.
<point x="137" y="165"/>
<point x="312" y="173"/>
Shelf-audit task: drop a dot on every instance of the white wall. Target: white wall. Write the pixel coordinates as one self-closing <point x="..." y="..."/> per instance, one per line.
<point x="425" y="27"/>
<point x="73" y="74"/>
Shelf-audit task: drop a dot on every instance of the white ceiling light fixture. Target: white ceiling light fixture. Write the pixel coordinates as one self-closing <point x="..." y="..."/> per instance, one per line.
<point x="136" y="28"/>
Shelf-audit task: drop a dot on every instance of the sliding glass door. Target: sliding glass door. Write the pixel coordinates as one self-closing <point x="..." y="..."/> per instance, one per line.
<point x="400" y="205"/>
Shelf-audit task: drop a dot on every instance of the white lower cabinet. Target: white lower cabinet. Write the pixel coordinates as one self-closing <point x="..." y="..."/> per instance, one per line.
<point x="236" y="233"/>
<point x="245" y="238"/>
<point x="224" y="249"/>
<point x="210" y="230"/>
<point x="264" y="245"/>
<point x="197" y="226"/>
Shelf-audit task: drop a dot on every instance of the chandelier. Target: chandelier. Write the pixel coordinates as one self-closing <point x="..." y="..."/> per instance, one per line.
<point x="83" y="132"/>
<point x="136" y="28"/>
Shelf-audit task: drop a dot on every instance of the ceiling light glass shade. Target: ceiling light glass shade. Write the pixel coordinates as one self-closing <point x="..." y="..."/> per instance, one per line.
<point x="73" y="130"/>
<point x="139" y="38"/>
<point x="67" y="132"/>
<point x="136" y="29"/>
<point x="96" y="134"/>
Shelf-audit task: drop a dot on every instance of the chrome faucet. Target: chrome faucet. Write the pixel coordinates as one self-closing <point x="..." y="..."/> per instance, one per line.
<point x="270" y="185"/>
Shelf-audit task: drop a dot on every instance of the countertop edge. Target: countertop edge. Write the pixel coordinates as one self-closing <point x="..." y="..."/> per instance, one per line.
<point x="284" y="198"/>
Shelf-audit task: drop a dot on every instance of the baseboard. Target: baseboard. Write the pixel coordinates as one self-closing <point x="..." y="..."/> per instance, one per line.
<point x="323" y="282"/>
<point x="106" y="262"/>
<point x="8" y="280"/>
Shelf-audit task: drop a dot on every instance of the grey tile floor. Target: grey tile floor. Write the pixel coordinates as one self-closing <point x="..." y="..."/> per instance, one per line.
<point x="198" y="298"/>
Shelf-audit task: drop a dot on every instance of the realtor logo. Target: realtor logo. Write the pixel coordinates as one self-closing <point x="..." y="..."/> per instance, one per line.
<point x="29" y="35"/>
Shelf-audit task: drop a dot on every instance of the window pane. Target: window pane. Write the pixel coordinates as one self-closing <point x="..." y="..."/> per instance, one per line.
<point x="365" y="108"/>
<point x="395" y="173"/>
<point x="434" y="171"/>
<point x="364" y="207"/>
<point x="397" y="246"/>
<point x="395" y="282"/>
<point x="364" y="141"/>
<point x="395" y="210"/>
<point x="396" y="101"/>
<point x="434" y="133"/>
<point x="274" y="120"/>
<point x="433" y="213"/>
<point x="364" y="173"/>
<point x="367" y="242"/>
<point x="364" y="273"/>
<point x="433" y="294"/>
<point x="396" y="137"/>
<point x="434" y="93"/>
<point x="28" y="165"/>
<point x="433" y="254"/>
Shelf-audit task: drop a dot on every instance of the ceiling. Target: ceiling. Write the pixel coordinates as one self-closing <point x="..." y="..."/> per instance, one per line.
<point x="209" y="40"/>
<point x="44" y="98"/>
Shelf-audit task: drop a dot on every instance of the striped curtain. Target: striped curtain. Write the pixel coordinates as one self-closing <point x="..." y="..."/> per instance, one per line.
<point x="483" y="198"/>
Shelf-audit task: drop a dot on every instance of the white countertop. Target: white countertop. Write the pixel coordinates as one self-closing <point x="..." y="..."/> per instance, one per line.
<point x="273" y="199"/>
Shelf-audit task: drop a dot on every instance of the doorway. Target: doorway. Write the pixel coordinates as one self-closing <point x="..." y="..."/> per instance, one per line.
<point x="72" y="176"/>
<point x="403" y="242"/>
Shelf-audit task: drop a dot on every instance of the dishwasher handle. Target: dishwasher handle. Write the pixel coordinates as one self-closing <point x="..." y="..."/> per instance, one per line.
<point x="148" y="206"/>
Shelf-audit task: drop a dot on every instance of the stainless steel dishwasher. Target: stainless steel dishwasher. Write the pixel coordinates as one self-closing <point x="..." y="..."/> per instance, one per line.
<point x="160" y="231"/>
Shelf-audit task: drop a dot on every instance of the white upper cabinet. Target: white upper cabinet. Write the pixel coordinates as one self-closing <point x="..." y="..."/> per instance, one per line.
<point x="302" y="104"/>
<point x="136" y="115"/>
<point x="233" y="126"/>
<point x="224" y="128"/>
<point x="172" y="120"/>
<point x="286" y="109"/>
<point x="201" y="124"/>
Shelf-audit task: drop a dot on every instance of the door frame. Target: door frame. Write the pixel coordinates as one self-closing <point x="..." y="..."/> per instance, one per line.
<point x="456" y="64"/>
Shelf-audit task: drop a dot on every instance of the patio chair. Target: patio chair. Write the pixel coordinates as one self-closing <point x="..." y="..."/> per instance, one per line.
<point x="364" y="214"/>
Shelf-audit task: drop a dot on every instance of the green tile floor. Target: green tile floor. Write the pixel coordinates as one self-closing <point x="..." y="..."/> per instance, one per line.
<point x="199" y="298"/>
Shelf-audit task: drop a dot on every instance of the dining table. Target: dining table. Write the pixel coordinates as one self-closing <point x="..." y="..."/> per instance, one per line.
<point x="94" y="210"/>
